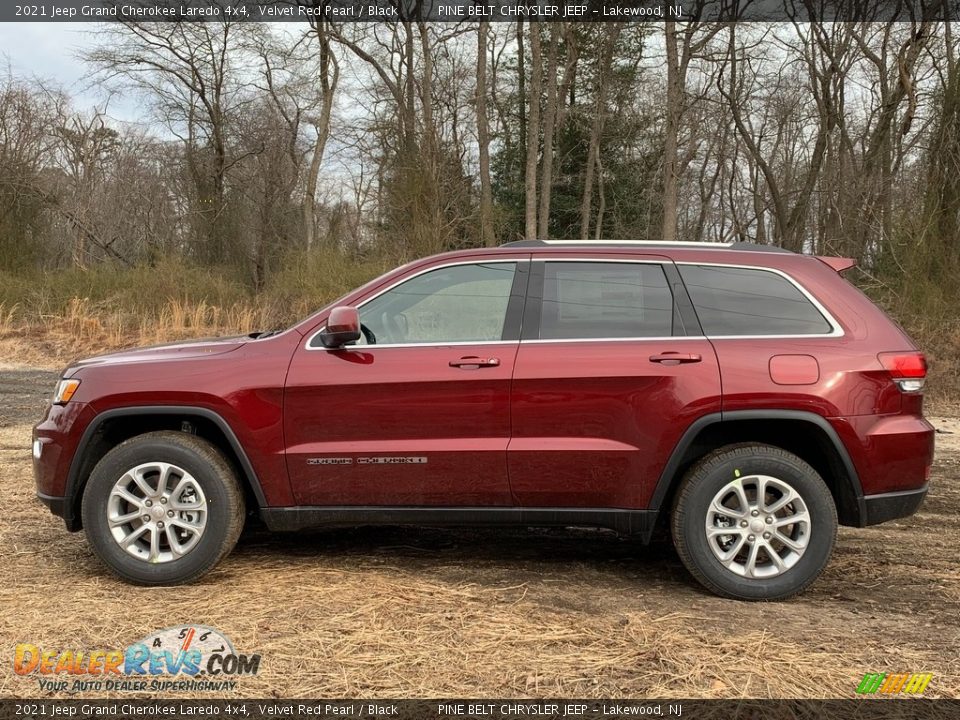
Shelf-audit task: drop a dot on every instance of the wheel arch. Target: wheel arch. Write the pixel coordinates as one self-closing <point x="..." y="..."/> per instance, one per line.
<point x="805" y="434"/>
<point x="110" y="427"/>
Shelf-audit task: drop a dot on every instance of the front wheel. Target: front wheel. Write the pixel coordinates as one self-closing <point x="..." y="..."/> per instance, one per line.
<point x="754" y="522"/>
<point x="162" y="508"/>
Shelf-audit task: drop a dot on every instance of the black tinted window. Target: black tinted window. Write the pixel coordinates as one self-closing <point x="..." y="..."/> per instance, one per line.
<point x="745" y="301"/>
<point x="605" y="300"/>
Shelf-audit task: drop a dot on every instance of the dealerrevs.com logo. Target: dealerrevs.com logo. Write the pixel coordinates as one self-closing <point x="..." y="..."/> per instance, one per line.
<point x="183" y="658"/>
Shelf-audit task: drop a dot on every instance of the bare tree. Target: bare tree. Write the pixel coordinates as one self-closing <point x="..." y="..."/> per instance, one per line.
<point x="823" y="53"/>
<point x="533" y="134"/>
<point x="187" y="70"/>
<point x="329" y="77"/>
<point x="85" y="143"/>
<point x="554" y="114"/>
<point x="605" y="65"/>
<point x="681" y="46"/>
<point x="487" y="235"/>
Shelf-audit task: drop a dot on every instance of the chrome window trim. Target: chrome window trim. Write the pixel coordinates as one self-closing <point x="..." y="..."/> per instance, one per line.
<point x="661" y="338"/>
<point x="513" y="261"/>
<point x="458" y="343"/>
<point x="837" y="329"/>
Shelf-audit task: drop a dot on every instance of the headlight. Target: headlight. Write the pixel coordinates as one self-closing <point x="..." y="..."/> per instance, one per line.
<point x="65" y="391"/>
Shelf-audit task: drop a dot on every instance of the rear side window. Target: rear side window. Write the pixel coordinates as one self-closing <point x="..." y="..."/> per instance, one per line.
<point x="605" y="300"/>
<point x="750" y="301"/>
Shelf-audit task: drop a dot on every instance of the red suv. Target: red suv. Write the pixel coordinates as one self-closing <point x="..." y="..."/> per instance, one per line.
<point x="749" y="396"/>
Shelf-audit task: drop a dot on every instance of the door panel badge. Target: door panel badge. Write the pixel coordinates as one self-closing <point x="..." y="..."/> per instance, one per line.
<point x="378" y="460"/>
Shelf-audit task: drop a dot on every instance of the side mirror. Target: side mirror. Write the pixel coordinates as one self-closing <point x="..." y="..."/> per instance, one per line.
<point x="343" y="326"/>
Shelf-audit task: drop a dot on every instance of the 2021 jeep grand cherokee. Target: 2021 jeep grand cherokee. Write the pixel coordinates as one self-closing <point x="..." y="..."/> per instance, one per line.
<point x="749" y="396"/>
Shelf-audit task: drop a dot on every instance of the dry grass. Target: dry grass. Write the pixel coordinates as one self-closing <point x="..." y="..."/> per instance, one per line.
<point x="419" y="613"/>
<point x="48" y="319"/>
<point x="86" y="328"/>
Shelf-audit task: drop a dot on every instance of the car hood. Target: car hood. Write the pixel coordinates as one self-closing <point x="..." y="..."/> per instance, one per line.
<point x="172" y="351"/>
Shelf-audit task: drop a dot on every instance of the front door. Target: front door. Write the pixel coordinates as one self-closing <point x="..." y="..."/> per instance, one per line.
<point x="611" y="370"/>
<point x="417" y="413"/>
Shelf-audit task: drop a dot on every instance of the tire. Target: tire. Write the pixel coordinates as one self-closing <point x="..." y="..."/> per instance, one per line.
<point x="196" y="515"/>
<point x="801" y="533"/>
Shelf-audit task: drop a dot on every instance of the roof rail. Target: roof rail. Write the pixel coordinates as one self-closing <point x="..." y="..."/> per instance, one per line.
<point x="649" y="243"/>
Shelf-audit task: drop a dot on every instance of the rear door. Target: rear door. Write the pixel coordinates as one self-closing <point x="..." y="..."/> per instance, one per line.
<point x="611" y="370"/>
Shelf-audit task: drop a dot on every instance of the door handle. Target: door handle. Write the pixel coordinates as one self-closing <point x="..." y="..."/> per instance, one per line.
<point x="675" y="358"/>
<point x="473" y="362"/>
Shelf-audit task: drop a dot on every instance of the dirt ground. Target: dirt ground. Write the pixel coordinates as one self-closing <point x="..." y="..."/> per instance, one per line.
<point x="435" y="613"/>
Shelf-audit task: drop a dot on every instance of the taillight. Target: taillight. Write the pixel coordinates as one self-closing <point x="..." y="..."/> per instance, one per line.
<point x="908" y="370"/>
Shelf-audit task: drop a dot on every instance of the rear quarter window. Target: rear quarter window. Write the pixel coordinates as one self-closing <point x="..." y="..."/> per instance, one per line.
<point x="750" y="301"/>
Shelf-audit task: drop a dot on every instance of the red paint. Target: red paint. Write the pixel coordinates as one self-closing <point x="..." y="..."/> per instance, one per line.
<point x="559" y="424"/>
<point x="588" y="415"/>
<point x="794" y="369"/>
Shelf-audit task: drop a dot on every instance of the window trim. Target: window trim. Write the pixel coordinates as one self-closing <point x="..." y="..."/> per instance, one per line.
<point x="664" y="264"/>
<point x="836" y="328"/>
<point x="531" y="264"/>
<point x="519" y="262"/>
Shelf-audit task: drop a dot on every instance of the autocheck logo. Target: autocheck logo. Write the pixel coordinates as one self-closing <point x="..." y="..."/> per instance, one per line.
<point x="185" y="657"/>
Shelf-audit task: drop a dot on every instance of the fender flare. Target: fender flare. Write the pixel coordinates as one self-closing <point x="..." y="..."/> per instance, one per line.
<point x="668" y="475"/>
<point x="73" y="486"/>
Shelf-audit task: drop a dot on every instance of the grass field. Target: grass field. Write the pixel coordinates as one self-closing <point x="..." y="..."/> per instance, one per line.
<point x="431" y="613"/>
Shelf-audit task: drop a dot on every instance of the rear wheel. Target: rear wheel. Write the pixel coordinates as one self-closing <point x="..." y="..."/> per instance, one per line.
<point x="162" y="508"/>
<point x="754" y="522"/>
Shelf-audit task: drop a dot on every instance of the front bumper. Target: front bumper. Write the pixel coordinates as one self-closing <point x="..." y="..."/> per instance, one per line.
<point x="892" y="505"/>
<point x="55" y="442"/>
<point x="58" y="505"/>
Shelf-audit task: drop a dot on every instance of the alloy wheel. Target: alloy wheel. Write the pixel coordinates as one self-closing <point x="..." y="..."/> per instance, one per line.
<point x="157" y="512"/>
<point x="758" y="526"/>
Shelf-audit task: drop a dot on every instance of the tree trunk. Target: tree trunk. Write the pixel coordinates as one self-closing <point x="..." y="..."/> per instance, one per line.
<point x="668" y="232"/>
<point x="533" y="134"/>
<point x="410" y="111"/>
<point x="487" y="236"/>
<point x="549" y="123"/>
<point x="596" y="129"/>
<point x="328" y="82"/>
<point x="521" y="85"/>
<point x="430" y="151"/>
<point x="602" y="204"/>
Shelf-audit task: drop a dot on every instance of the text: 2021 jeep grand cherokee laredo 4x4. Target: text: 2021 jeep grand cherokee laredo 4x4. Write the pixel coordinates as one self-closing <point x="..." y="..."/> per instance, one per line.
<point x="750" y="396"/>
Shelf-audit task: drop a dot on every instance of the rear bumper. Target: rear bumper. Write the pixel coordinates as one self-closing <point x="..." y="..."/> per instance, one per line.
<point x="892" y="456"/>
<point x="892" y="505"/>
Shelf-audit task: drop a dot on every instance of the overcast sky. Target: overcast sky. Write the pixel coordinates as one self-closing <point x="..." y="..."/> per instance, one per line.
<point x="50" y="51"/>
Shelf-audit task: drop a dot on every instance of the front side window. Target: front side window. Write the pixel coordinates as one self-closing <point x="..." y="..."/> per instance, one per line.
<point x="750" y="301"/>
<point x="584" y="300"/>
<point x="459" y="303"/>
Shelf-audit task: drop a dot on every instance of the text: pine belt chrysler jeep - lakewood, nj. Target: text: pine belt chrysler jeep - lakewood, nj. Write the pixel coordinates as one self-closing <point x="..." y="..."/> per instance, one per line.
<point x="748" y="396"/>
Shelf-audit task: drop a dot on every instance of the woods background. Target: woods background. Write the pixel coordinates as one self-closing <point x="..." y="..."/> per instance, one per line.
<point x="282" y="166"/>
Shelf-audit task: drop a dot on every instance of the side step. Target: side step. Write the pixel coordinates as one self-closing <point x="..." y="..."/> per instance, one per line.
<point x="624" y="522"/>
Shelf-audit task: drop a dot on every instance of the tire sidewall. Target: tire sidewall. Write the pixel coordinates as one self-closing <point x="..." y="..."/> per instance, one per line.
<point x="94" y="509"/>
<point x="823" y="525"/>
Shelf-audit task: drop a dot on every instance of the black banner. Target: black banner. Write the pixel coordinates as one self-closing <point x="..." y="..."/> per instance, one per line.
<point x="476" y="10"/>
<point x="484" y="709"/>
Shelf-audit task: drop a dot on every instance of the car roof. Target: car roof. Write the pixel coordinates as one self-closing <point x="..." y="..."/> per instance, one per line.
<point x="743" y="254"/>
